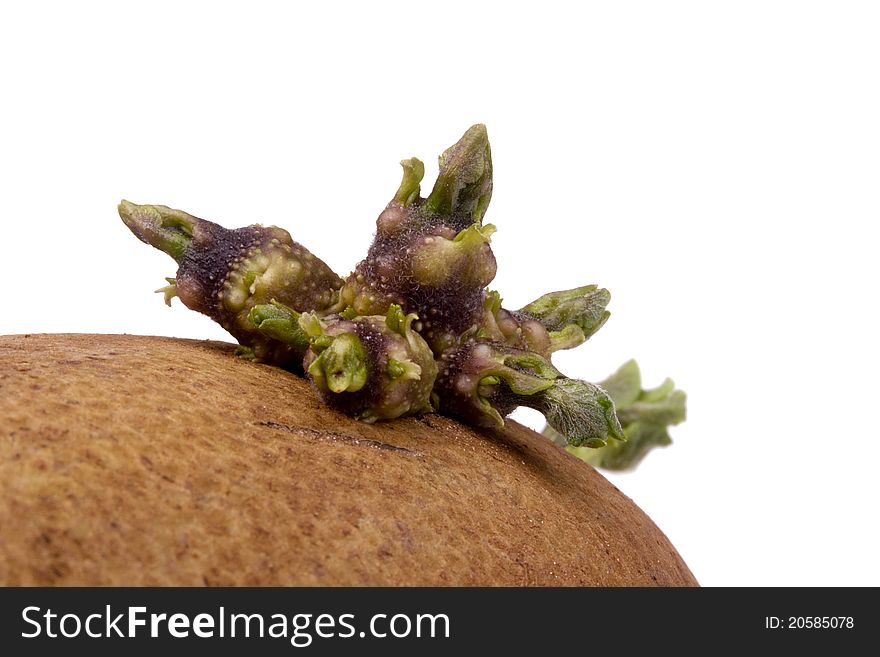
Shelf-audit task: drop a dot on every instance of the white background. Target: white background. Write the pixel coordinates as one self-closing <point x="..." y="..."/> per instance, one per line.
<point x="715" y="165"/>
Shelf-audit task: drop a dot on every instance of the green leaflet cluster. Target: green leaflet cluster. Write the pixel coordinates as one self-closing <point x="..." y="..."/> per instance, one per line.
<point x="414" y="328"/>
<point x="644" y="414"/>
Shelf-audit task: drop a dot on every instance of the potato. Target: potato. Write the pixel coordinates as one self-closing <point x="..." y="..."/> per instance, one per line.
<point x="129" y="460"/>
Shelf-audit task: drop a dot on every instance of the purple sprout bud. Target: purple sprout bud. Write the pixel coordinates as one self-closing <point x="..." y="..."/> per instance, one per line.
<point x="432" y="256"/>
<point x="481" y="382"/>
<point x="224" y="273"/>
<point x="372" y="368"/>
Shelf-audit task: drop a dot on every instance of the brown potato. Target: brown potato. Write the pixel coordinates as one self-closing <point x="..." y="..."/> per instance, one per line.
<point x="128" y="460"/>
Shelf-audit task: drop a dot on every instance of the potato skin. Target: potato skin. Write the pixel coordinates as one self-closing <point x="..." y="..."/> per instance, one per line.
<point x="131" y="460"/>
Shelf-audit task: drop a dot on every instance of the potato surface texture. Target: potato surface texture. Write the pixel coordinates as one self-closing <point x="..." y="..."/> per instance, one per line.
<point x="131" y="460"/>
